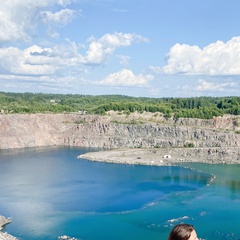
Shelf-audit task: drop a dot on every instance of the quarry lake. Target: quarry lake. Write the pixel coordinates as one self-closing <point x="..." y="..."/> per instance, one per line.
<point x="49" y="192"/>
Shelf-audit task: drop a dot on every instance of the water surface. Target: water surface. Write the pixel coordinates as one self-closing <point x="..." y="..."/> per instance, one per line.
<point x="50" y="192"/>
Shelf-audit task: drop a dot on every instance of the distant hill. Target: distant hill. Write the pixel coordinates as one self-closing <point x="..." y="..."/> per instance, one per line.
<point x="197" y="107"/>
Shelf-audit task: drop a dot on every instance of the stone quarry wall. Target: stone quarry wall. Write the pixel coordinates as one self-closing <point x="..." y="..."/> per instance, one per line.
<point x="31" y="130"/>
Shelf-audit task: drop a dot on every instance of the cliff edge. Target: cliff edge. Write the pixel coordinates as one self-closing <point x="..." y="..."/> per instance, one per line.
<point x="118" y="131"/>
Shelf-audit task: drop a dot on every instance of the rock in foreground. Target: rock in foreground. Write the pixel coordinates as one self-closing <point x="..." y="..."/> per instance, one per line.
<point x="3" y="235"/>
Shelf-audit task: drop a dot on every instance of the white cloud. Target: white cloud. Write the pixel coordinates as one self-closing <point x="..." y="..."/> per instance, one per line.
<point x="100" y="49"/>
<point x="30" y="61"/>
<point x="36" y="60"/>
<point x="64" y="3"/>
<point x="18" y="17"/>
<point x="211" y="86"/>
<point x="218" y="58"/>
<point x="62" y="17"/>
<point x="156" y="69"/>
<point x="126" y="77"/>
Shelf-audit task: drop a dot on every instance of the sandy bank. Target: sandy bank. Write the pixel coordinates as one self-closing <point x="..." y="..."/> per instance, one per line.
<point x="166" y="156"/>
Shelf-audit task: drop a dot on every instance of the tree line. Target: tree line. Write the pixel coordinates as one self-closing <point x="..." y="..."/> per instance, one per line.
<point x="194" y="107"/>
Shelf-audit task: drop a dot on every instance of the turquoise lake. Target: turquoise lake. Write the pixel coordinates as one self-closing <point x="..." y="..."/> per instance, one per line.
<point x="49" y="192"/>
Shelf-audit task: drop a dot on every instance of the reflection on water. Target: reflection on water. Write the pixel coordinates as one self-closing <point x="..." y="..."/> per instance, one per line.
<point x="50" y="180"/>
<point x="49" y="192"/>
<point x="234" y="185"/>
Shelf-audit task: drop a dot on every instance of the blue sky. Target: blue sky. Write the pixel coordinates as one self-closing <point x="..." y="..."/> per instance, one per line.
<point x="150" y="48"/>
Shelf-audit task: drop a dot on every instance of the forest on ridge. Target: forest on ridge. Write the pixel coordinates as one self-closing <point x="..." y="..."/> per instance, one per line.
<point x="194" y="107"/>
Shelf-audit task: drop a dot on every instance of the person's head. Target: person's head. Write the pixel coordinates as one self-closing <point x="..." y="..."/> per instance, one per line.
<point x="183" y="232"/>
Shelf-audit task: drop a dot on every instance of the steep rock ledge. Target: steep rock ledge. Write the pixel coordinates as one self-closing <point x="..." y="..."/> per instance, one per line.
<point x="31" y="130"/>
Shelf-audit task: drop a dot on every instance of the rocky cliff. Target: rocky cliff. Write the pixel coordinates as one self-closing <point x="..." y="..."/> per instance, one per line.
<point x="116" y="131"/>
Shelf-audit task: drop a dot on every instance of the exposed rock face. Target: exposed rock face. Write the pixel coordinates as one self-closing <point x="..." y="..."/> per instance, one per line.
<point x="3" y="235"/>
<point x="30" y="130"/>
<point x="4" y="221"/>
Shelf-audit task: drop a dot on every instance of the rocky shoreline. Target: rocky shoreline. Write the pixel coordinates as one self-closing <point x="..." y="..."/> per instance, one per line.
<point x="4" y="235"/>
<point x="166" y="156"/>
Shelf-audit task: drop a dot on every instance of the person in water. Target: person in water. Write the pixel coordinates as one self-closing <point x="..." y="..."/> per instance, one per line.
<point x="183" y="232"/>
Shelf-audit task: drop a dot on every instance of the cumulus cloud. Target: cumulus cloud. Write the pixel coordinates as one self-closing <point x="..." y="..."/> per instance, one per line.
<point x="36" y="60"/>
<point x="16" y="61"/>
<point x="218" y="58"/>
<point x="211" y="86"/>
<point x="101" y="48"/>
<point x="19" y="17"/>
<point x="62" y="17"/>
<point x="126" y="77"/>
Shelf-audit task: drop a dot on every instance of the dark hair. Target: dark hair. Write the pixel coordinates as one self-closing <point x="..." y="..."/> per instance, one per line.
<point x="181" y="232"/>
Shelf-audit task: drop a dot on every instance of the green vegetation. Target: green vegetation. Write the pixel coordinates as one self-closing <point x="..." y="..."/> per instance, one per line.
<point x="189" y="145"/>
<point x="133" y="122"/>
<point x="197" y="107"/>
<point x="81" y="121"/>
